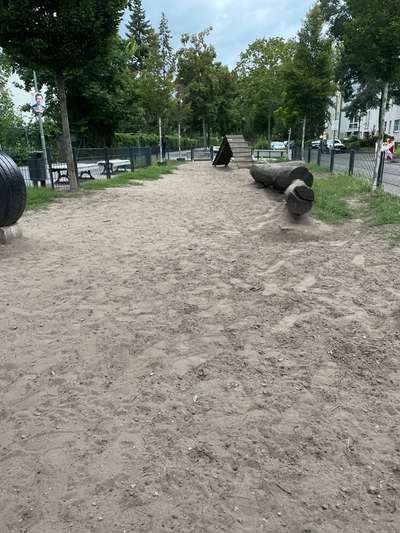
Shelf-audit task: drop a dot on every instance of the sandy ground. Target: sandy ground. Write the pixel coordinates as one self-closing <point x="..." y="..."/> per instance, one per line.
<point x="177" y="357"/>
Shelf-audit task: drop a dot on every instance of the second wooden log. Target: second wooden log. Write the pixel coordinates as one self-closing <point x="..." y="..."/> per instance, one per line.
<point x="299" y="198"/>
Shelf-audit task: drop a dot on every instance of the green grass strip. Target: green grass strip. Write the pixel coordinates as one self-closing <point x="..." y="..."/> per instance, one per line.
<point x="41" y="198"/>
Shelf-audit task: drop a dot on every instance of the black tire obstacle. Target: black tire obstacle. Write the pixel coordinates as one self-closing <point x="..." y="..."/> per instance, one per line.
<point x="12" y="191"/>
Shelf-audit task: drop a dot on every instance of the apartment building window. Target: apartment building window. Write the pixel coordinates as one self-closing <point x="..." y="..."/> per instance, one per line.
<point x="396" y="126"/>
<point x="390" y="126"/>
<point x="353" y="126"/>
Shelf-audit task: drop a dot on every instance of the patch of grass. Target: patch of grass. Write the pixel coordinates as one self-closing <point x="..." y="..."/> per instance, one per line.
<point x="376" y="208"/>
<point x="331" y="194"/>
<point x="40" y="197"/>
<point x="154" y="172"/>
<point x="383" y="208"/>
<point x="121" y="180"/>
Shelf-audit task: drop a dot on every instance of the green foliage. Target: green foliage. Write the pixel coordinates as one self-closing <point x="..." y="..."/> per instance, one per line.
<point x="261" y="143"/>
<point x="57" y="36"/>
<point x="139" y="32"/>
<point x="367" y="34"/>
<point x="166" y="52"/>
<point x="205" y="88"/>
<point x="153" y="140"/>
<point x="260" y="81"/>
<point x="106" y="91"/>
<point x="308" y="79"/>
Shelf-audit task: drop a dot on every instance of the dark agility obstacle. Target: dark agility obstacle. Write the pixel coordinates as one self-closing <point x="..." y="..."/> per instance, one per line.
<point x="12" y="192"/>
<point x="233" y="147"/>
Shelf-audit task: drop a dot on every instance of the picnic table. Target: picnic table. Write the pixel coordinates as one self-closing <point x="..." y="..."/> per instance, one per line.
<point x="84" y="172"/>
<point x="115" y="165"/>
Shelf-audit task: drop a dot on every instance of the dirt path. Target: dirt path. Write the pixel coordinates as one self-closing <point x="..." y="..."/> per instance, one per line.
<point x="172" y="360"/>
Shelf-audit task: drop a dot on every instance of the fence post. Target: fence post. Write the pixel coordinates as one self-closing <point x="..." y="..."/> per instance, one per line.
<point x="319" y="157"/>
<point x="381" y="169"/>
<point x="107" y="163"/>
<point x="351" y="162"/>
<point x="192" y="154"/>
<point x="74" y="153"/>
<point x="132" y="158"/>
<point x="309" y="155"/>
<point x="49" y="162"/>
<point x="148" y="157"/>
<point x="332" y="161"/>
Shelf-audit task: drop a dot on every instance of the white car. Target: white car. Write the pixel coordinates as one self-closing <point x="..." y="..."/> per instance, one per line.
<point x="328" y="145"/>
<point x="278" y="145"/>
<point x="337" y="145"/>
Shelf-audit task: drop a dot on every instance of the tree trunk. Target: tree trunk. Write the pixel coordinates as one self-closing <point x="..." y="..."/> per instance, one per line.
<point x="281" y="176"/>
<point x="303" y="139"/>
<point x="269" y="129"/>
<point x="299" y="198"/>
<point x="381" y="133"/>
<point x="204" y="133"/>
<point x="73" y="179"/>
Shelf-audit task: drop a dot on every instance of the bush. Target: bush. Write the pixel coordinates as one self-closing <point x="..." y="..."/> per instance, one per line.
<point x="153" y="140"/>
<point x="262" y="143"/>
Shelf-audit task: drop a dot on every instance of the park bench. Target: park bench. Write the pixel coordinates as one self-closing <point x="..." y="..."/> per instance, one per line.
<point x="115" y="165"/>
<point x="84" y="172"/>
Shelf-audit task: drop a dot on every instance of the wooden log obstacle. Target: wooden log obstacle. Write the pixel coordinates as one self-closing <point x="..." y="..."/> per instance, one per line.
<point x="294" y="181"/>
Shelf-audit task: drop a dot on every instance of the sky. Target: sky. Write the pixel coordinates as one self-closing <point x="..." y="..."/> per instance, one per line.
<point x="236" y="23"/>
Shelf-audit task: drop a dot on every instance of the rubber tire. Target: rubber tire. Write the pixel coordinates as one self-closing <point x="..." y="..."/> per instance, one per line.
<point x="12" y="191"/>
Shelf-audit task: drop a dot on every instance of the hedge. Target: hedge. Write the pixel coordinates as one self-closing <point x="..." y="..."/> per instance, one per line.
<point x="153" y="140"/>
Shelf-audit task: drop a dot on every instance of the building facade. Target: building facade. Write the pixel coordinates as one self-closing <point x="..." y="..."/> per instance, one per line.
<point x="342" y="127"/>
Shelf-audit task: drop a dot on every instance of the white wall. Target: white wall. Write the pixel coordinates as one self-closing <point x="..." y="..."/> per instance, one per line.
<point x="369" y="122"/>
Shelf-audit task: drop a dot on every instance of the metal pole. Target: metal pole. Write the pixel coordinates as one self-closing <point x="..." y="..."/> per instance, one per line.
<point x="340" y="115"/>
<point x="332" y="160"/>
<point x="303" y="140"/>
<point x="42" y="137"/>
<point x="351" y="162"/>
<point x="289" y="155"/>
<point x="160" y="132"/>
<point x="179" y="139"/>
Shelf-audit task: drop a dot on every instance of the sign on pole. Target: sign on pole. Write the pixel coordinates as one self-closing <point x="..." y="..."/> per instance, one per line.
<point x="39" y="106"/>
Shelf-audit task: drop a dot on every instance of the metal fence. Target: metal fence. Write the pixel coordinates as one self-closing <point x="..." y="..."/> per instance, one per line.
<point x="356" y="164"/>
<point x="90" y="164"/>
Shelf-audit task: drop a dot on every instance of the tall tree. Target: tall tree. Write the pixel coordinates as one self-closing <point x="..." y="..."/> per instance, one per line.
<point x="196" y="79"/>
<point x="139" y="34"/>
<point x="260" y="72"/>
<point x="154" y="85"/>
<point x="308" y="78"/>
<point x="165" y="46"/>
<point x="367" y="33"/>
<point x="57" y="37"/>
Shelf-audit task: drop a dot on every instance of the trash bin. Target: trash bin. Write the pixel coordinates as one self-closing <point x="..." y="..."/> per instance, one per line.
<point x="37" y="168"/>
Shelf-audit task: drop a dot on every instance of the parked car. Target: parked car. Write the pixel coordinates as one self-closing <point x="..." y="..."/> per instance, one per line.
<point x="278" y="145"/>
<point x="336" y="144"/>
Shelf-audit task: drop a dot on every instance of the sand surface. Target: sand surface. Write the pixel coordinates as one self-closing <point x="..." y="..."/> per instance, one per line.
<point x="179" y="357"/>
